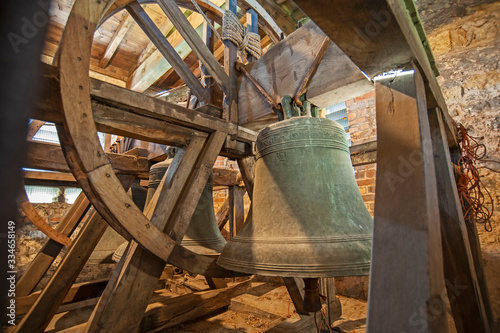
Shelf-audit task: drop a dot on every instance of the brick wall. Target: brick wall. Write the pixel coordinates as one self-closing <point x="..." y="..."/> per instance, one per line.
<point x="362" y="128"/>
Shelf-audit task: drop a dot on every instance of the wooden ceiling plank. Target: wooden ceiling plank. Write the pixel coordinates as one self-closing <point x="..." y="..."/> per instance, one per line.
<point x="120" y="33"/>
<point x="167" y="50"/>
<point x="195" y="42"/>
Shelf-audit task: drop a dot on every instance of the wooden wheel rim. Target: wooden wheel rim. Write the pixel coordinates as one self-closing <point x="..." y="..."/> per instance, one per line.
<point x="86" y="156"/>
<point x="97" y="178"/>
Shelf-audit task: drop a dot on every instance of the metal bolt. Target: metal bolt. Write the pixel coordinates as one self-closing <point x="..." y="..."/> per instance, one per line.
<point x="108" y="175"/>
<point x="84" y="115"/>
<point x="127" y="205"/>
<point x="81" y="87"/>
<point x="86" y="28"/>
<point x="147" y="225"/>
<point x="98" y="154"/>
<point x="79" y="59"/>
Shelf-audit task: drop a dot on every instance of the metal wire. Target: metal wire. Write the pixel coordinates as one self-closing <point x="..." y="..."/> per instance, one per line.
<point x="474" y="196"/>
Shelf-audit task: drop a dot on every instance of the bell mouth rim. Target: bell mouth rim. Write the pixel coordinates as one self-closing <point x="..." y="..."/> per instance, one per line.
<point x="294" y="270"/>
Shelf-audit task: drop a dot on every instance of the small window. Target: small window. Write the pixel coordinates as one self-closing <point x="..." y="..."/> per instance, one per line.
<point x="338" y="113"/>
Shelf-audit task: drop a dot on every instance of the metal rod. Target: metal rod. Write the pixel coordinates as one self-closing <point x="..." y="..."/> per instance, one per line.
<point x="312" y="70"/>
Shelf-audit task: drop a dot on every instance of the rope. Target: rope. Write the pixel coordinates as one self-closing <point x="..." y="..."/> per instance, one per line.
<point x="234" y="31"/>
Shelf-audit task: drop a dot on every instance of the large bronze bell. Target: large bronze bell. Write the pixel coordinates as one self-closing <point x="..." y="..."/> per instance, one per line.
<point x="308" y="217"/>
<point x="203" y="235"/>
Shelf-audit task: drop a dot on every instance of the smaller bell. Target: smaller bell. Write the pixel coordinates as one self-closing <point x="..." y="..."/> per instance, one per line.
<point x="203" y="235"/>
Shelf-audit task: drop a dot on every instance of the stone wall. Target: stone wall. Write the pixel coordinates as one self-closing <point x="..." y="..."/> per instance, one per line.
<point x="465" y="39"/>
<point x="29" y="241"/>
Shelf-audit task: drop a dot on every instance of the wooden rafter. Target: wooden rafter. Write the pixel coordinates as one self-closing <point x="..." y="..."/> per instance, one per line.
<point x="167" y="50"/>
<point x="125" y="24"/>
<point x="154" y="66"/>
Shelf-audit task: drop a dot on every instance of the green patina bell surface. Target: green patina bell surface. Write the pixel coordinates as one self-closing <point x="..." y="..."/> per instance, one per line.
<point x="308" y="218"/>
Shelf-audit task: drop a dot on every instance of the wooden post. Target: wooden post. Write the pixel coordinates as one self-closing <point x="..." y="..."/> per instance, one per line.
<point x="209" y="39"/>
<point x="252" y="25"/>
<point x="236" y="209"/>
<point x="333" y="306"/>
<point x="407" y="290"/>
<point x="230" y="58"/>
<point x="295" y="287"/>
<point x="462" y="285"/>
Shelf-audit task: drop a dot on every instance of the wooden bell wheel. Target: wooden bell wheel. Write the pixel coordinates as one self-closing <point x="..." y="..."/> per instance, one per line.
<point x="88" y="160"/>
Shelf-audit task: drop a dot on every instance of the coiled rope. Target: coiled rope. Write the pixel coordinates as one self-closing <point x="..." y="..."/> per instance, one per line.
<point x="235" y="32"/>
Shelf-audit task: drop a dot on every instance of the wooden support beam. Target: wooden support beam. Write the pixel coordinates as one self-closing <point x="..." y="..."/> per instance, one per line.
<point x="407" y="252"/>
<point x="51" y="249"/>
<point x="252" y="26"/>
<point x="194" y="41"/>
<point x="46" y="305"/>
<point x="78" y="292"/>
<point x="230" y="106"/>
<point x="222" y="215"/>
<point x="125" y="25"/>
<point x="118" y="110"/>
<point x="283" y="68"/>
<point x="295" y="287"/>
<point x="247" y="169"/>
<point x="49" y="156"/>
<point x="467" y="304"/>
<point x="173" y="311"/>
<point x="209" y="40"/>
<point x="167" y="50"/>
<point x="236" y="209"/>
<point x="49" y="176"/>
<point x="152" y="68"/>
<point x="365" y="153"/>
<point x="139" y="270"/>
<point x="333" y="310"/>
